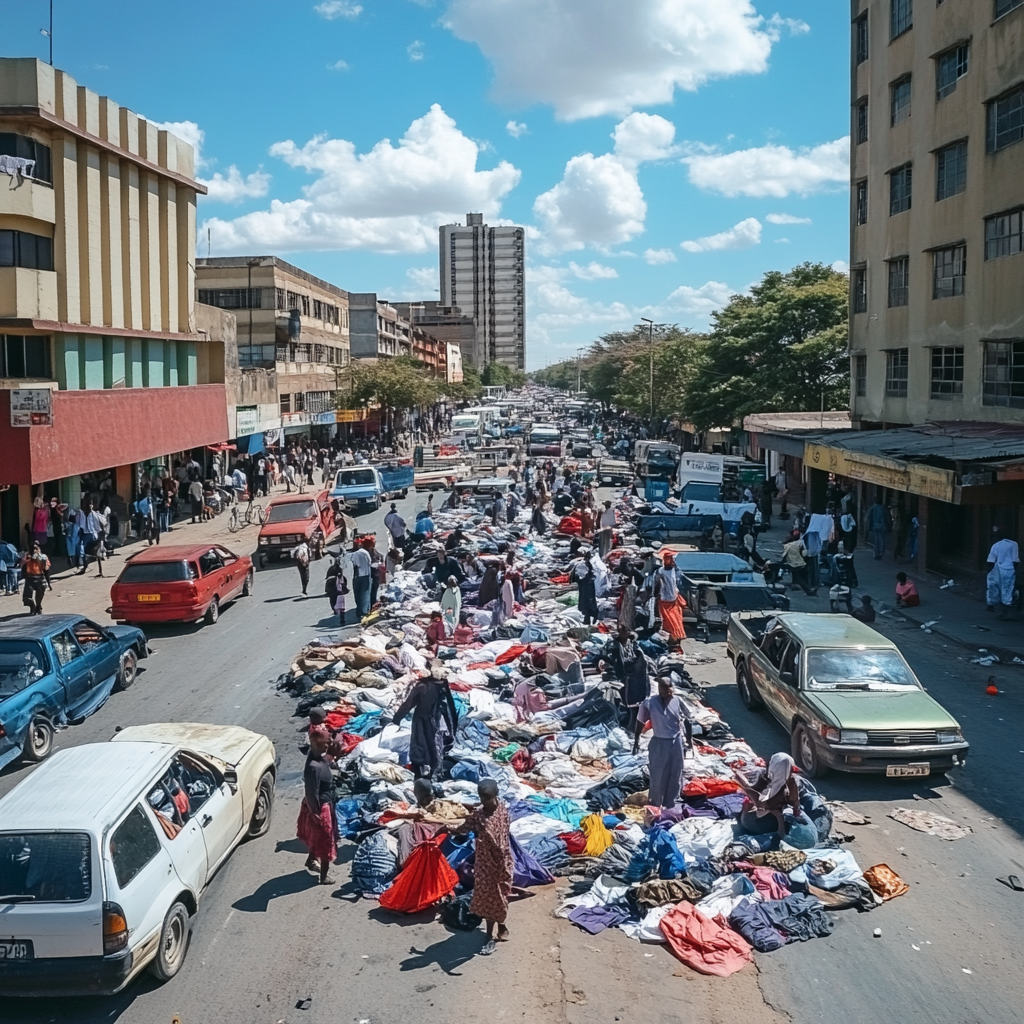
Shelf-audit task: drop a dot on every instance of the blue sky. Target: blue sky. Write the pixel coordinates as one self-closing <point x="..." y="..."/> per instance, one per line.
<point x="662" y="153"/>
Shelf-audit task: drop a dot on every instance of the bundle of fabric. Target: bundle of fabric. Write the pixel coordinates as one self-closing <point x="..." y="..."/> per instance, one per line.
<point x="426" y="878"/>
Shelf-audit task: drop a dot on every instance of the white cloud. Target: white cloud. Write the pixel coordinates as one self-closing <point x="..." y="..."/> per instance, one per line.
<point x="593" y="271"/>
<point x="391" y="199"/>
<point x="744" y="235"/>
<point x="772" y="170"/>
<point x="338" y="65"/>
<point x="599" y="200"/>
<point x="187" y="131"/>
<point x="233" y="188"/>
<point x="786" y="218"/>
<point x="331" y="9"/>
<point x="415" y="50"/>
<point x="609" y="57"/>
<point x="700" y="301"/>
<point x="782" y="241"/>
<point x="425" y="278"/>
<point x="656" y="256"/>
<point x="842" y="266"/>
<point x="516" y="128"/>
<point x="553" y="306"/>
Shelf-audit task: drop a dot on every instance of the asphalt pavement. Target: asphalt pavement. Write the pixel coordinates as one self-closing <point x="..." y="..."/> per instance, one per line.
<point x="267" y="938"/>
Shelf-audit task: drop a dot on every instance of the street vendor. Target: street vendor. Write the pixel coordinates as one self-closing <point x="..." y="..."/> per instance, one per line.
<point x="768" y="794"/>
<point x="669" y="726"/>
<point x="623" y="657"/>
<point x="430" y="700"/>
<point x="671" y="603"/>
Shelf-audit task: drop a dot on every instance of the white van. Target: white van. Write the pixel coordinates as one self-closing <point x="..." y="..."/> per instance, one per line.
<point x="106" y="849"/>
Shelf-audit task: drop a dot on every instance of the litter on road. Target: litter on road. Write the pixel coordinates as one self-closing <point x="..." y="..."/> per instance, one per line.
<point x="933" y="824"/>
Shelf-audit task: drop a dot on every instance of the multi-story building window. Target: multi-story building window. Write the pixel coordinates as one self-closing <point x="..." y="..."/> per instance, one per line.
<point x="900" y="186"/>
<point x="293" y="300"/>
<point x="899" y="100"/>
<point x="1003" y="374"/>
<point x="860" y="376"/>
<point x="947" y="372"/>
<point x="286" y="403"/>
<point x="300" y="401"/>
<point x="897" y="372"/>
<point x="901" y="17"/>
<point x="25" y="356"/>
<point x="304" y="304"/>
<point x="32" y="159"/>
<point x="232" y="298"/>
<point x="951" y="170"/>
<point x="860" y="38"/>
<point x="862" y="121"/>
<point x="1006" y="119"/>
<point x="950" y="266"/>
<point x="280" y="298"/>
<point x="1005" y="6"/>
<point x="899" y="280"/>
<point x="1004" y="234"/>
<point x="950" y="67"/>
<point x="862" y="202"/>
<point x="23" y="249"/>
<point x="859" y="287"/>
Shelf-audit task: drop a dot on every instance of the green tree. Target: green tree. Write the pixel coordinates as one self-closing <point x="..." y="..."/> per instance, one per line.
<point x="497" y="374"/>
<point x="468" y="389"/>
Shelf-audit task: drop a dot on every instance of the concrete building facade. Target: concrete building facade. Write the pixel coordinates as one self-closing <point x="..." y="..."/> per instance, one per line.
<point x="483" y="273"/>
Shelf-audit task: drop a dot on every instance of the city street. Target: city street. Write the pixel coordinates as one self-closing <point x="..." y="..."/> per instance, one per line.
<point x="267" y="937"/>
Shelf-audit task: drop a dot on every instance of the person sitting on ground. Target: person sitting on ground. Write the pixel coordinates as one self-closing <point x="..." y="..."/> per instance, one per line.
<point x="768" y="793"/>
<point x="906" y="592"/>
<point x="436" y="633"/>
<point x="463" y="631"/>
<point x="866" y="613"/>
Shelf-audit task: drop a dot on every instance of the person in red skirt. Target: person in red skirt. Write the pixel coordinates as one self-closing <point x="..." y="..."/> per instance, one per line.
<point x="315" y="826"/>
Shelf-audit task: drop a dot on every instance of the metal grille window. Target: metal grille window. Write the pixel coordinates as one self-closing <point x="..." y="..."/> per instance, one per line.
<point x="280" y="298"/>
<point x="319" y="401"/>
<point x="899" y="279"/>
<point x="1005" y="6"/>
<point x="899" y="100"/>
<point x="859" y="281"/>
<point x="1006" y="120"/>
<point x="860" y="37"/>
<point x="860" y="376"/>
<point x="21" y="147"/>
<point x="897" y="372"/>
<point x="232" y="298"/>
<point x="900" y="184"/>
<point x="1003" y="375"/>
<point x="286" y="403"/>
<point x="862" y="202"/>
<point x="300" y="401"/>
<point x="950" y="270"/>
<point x="293" y="300"/>
<point x="304" y="304"/>
<point x="25" y="355"/>
<point x="862" y="122"/>
<point x="901" y="17"/>
<point x="951" y="170"/>
<point x="947" y="372"/>
<point x="950" y="67"/>
<point x="22" y="249"/>
<point x="1004" y="234"/>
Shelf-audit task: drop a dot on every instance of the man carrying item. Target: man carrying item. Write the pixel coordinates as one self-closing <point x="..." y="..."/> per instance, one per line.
<point x="396" y="526"/>
<point x="1003" y="559"/>
<point x="36" y="567"/>
<point x="300" y="554"/>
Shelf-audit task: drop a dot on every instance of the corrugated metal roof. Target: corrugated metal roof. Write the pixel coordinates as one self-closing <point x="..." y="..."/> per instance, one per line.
<point x="767" y="422"/>
<point x="948" y="442"/>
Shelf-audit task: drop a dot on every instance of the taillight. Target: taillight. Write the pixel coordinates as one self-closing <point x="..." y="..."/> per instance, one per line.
<point x="193" y="591"/>
<point x="3" y="731"/>
<point x="115" y="929"/>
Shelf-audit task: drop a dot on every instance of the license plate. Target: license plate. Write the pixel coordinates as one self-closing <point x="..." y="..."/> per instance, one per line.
<point x="15" y="950"/>
<point x="903" y="770"/>
<point x="147" y="598"/>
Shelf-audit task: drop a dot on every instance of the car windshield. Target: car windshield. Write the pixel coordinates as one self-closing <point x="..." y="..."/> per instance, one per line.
<point x="876" y="670"/>
<point x="154" y="572"/>
<point x="290" y="512"/>
<point x="45" y="867"/>
<point x="354" y="478"/>
<point x="19" y="660"/>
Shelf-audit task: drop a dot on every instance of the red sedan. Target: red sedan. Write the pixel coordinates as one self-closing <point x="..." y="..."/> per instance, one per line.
<point x="180" y="584"/>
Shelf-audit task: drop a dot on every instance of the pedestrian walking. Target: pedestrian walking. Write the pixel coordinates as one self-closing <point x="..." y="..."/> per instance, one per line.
<point x="670" y="603"/>
<point x="395" y="525"/>
<point x="103" y="521"/>
<point x="289" y="477"/>
<point x="1003" y="561"/>
<point x="315" y="826"/>
<point x="606" y="526"/>
<point x="260" y="477"/>
<point x="87" y="521"/>
<point x="301" y="556"/>
<point x="165" y="512"/>
<point x="36" y="568"/>
<point x="627" y="662"/>
<point x="336" y="587"/>
<point x="879" y="526"/>
<point x="56" y="529"/>
<point x="40" y="522"/>
<point x="586" y="581"/>
<point x="362" y="568"/>
<point x="195" y="499"/>
<point x="9" y="562"/>
<point x="669" y="728"/>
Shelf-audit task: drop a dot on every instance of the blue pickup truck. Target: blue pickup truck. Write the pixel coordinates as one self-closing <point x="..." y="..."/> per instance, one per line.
<point x="56" y="669"/>
<point x="364" y="487"/>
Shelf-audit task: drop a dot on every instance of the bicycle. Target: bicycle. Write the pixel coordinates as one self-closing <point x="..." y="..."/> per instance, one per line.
<point x="253" y="514"/>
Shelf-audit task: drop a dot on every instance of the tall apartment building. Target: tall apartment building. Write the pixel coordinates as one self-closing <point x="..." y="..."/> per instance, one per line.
<point x="482" y="272"/>
<point x="290" y="321"/>
<point x="97" y="246"/>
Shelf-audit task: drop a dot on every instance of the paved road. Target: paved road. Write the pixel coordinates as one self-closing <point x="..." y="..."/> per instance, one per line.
<point x="267" y="936"/>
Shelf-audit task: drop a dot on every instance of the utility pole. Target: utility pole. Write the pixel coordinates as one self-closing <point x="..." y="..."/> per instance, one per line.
<point x="579" y="371"/>
<point x="650" y="349"/>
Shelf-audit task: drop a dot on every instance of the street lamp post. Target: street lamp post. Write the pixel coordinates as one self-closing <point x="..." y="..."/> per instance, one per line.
<point x="579" y="371"/>
<point x="650" y="350"/>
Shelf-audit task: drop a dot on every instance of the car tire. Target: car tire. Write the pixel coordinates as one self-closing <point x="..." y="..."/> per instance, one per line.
<point x="247" y="585"/>
<point x="38" y="740"/>
<point x="805" y="753"/>
<point x="213" y="612"/>
<point x="259" y="824"/>
<point x="174" y="936"/>
<point x="748" y="692"/>
<point x="127" y="670"/>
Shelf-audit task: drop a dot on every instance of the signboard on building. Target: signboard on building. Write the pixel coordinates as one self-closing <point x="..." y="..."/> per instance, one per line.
<point x="31" y="407"/>
<point x="247" y="420"/>
<point x="350" y="415"/>
<point x="927" y="481"/>
<point x="322" y="418"/>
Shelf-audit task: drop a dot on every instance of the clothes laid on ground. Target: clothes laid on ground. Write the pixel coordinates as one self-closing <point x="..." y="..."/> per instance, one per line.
<point x="702" y="944"/>
<point x="426" y="878"/>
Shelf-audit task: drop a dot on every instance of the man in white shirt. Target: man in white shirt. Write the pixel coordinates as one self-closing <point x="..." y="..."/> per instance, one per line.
<point x="362" y="566"/>
<point x="301" y="556"/>
<point x="396" y="526"/>
<point x="605" y="527"/>
<point x="1003" y="560"/>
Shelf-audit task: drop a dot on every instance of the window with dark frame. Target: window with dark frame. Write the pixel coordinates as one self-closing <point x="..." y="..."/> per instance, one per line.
<point x="859" y="285"/>
<point x="280" y="298"/>
<point x="1004" y="234"/>
<point x="860" y="376"/>
<point x="897" y="372"/>
<point x="232" y="298"/>
<point x="1003" y="374"/>
<point x="24" y="148"/>
<point x="950" y="67"/>
<point x="23" y="249"/>
<point x="947" y="372"/>
<point x="899" y="100"/>
<point x="1005" y="6"/>
<point x="25" y="356"/>
<point x="1006" y="120"/>
<point x="900" y="186"/>
<point x="286" y="403"/>
<point x="951" y="170"/>
<point x="862" y="122"/>
<point x="860" y="33"/>
<point x="899" y="281"/>
<point x="862" y="202"/>
<point x="950" y="269"/>
<point x="300" y="401"/>
<point x="901" y="17"/>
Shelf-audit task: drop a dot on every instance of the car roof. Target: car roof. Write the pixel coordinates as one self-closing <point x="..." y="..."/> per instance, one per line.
<point x="84" y="788"/>
<point x="174" y="553"/>
<point x="710" y="561"/>
<point x="288" y="499"/>
<point x="826" y="630"/>
<point x="37" y="626"/>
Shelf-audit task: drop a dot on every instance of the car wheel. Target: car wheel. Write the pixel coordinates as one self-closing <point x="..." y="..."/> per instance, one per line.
<point x="213" y="612"/>
<point x="128" y="670"/>
<point x="170" y="954"/>
<point x="805" y="753"/>
<point x="405" y="492"/>
<point x="259" y="824"/>
<point x="748" y="692"/>
<point x="247" y="585"/>
<point x="38" y="740"/>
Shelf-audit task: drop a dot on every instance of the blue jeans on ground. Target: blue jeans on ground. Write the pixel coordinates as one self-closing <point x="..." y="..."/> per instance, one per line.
<point x="361" y="592"/>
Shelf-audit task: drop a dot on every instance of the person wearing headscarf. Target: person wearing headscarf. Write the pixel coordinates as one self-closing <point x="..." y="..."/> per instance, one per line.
<point x="429" y="700"/>
<point x="623" y="657"/>
<point x="451" y="605"/>
<point x="489" y="586"/>
<point x="586" y="580"/>
<point x="671" y="603"/>
<point x="768" y="793"/>
<point x="538" y="524"/>
<point x="669" y="726"/>
<point x="315" y="826"/>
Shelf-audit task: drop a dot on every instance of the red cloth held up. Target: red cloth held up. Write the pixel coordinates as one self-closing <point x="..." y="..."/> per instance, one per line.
<point x="426" y="878"/>
<point x="704" y="944"/>
<point x="569" y="524"/>
<point x="710" y="785"/>
<point x="511" y="654"/>
<point x="575" y="842"/>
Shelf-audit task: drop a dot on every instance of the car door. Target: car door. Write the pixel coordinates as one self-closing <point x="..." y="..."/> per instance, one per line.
<point x="182" y="831"/>
<point x="217" y="808"/>
<point x="75" y="669"/>
<point x="99" y="647"/>
<point x="233" y="571"/>
<point x="27" y="684"/>
<point x="764" y="668"/>
<point x="787" y="691"/>
<point x="211" y="565"/>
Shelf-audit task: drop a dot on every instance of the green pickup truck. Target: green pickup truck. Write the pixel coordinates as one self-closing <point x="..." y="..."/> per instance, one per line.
<point x="845" y="693"/>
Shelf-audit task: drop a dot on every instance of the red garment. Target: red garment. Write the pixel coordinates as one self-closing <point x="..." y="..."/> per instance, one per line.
<point x="337" y="719"/>
<point x="710" y="785"/>
<point x="560" y="579"/>
<point x="575" y="842"/>
<point x="522" y="761"/>
<point x="703" y="944"/>
<point x="426" y="878"/>
<point x="511" y="654"/>
<point x="671" y="613"/>
<point x="348" y="741"/>
<point x="317" y="833"/>
<point x="569" y="524"/>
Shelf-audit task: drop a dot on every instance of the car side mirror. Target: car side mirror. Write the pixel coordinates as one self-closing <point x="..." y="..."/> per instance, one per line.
<point x="789" y="678"/>
<point x="231" y="778"/>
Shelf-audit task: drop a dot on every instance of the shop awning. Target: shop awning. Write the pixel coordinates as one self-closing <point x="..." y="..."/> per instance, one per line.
<point x="222" y="446"/>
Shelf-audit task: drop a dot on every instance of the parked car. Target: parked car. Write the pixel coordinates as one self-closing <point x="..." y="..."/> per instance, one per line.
<point x="361" y="487"/>
<point x="293" y="518"/>
<point x="396" y="478"/>
<point x="106" y="850"/>
<point x="181" y="583"/>
<point x="844" y="692"/>
<point x="56" y="669"/>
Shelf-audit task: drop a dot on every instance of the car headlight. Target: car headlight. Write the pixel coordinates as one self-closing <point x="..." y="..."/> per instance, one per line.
<point x="264" y="541"/>
<point x="855" y="736"/>
<point x="949" y="736"/>
<point x="830" y="734"/>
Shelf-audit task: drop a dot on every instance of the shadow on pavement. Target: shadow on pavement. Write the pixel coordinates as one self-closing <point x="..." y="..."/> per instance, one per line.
<point x="404" y="920"/>
<point x="274" y="888"/>
<point x="448" y="954"/>
<point x="81" y="1009"/>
